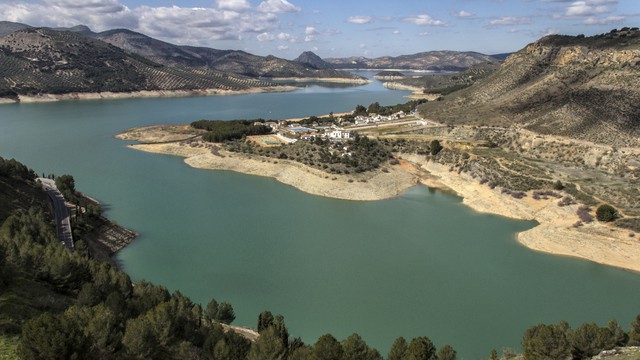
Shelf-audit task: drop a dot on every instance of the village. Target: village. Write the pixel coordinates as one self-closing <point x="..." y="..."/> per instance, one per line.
<point x="338" y="128"/>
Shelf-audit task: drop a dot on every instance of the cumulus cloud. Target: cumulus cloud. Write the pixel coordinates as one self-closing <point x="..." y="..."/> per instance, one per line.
<point x="510" y="21"/>
<point x="287" y="37"/>
<point x="590" y="7"/>
<point x="360" y="19"/>
<point x="424" y="20"/>
<point x="265" y="36"/>
<point x="604" y="21"/>
<point x="277" y="6"/>
<point x="283" y="47"/>
<point x="463" y="14"/>
<point x="226" y="20"/>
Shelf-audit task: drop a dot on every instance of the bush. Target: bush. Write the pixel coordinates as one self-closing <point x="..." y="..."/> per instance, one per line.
<point x="606" y="213"/>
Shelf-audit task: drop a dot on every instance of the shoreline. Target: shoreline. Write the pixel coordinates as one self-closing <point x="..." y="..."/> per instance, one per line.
<point x="328" y="80"/>
<point x="108" y="95"/>
<point x="554" y="234"/>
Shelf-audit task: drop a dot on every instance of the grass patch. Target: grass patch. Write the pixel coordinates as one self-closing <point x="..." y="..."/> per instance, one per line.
<point x="9" y="347"/>
<point x="629" y="223"/>
<point x="26" y="298"/>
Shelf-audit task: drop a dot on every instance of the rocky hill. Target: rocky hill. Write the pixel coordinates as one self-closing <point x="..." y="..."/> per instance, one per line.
<point x="232" y="61"/>
<point x="38" y="60"/>
<point x="7" y="27"/>
<point x="431" y="60"/>
<point x="311" y="59"/>
<point x="580" y="87"/>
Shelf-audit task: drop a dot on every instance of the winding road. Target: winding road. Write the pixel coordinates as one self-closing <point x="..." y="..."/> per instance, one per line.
<point x="63" y="218"/>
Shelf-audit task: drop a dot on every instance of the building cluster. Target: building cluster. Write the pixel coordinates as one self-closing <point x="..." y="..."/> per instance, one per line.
<point x="374" y="118"/>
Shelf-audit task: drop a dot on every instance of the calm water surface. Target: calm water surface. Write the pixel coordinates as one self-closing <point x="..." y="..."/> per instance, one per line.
<point x="419" y="264"/>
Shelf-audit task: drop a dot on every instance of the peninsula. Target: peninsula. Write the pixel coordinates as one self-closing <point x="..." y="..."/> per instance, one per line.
<point x="368" y="156"/>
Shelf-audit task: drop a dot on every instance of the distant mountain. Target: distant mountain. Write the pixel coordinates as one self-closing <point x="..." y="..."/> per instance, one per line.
<point x="575" y="86"/>
<point x="311" y="59"/>
<point x="7" y="27"/>
<point x="431" y="60"/>
<point x="232" y="61"/>
<point x="40" y="60"/>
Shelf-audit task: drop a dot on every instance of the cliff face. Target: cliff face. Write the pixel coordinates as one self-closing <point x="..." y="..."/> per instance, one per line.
<point x="581" y="87"/>
<point x="38" y="60"/>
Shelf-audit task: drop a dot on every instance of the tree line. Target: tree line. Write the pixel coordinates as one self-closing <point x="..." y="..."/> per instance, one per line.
<point x="220" y="131"/>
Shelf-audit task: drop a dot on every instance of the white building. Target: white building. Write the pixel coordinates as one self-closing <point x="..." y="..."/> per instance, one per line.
<point x="339" y="134"/>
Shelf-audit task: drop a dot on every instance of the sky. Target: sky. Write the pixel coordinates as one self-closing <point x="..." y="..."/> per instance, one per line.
<point x="336" y="28"/>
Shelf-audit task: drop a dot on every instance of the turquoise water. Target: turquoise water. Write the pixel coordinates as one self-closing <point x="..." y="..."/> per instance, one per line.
<point x="418" y="264"/>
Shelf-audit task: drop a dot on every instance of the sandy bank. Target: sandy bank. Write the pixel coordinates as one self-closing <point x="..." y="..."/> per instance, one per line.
<point x="379" y="185"/>
<point x="141" y="94"/>
<point x="555" y="233"/>
<point x="416" y="92"/>
<point x="328" y="80"/>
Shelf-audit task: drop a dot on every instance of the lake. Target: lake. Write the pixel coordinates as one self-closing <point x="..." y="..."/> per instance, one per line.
<point x="418" y="264"/>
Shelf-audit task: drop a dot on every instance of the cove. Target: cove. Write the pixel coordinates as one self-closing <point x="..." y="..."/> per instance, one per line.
<point x="418" y="264"/>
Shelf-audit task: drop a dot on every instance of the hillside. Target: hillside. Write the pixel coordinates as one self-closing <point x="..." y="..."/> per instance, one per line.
<point x="230" y="61"/>
<point x="311" y="59"/>
<point x="430" y="60"/>
<point x="38" y="60"/>
<point x="447" y="83"/>
<point x="582" y="87"/>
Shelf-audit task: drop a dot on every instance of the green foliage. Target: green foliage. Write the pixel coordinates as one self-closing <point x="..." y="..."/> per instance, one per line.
<point x="222" y="312"/>
<point x="66" y="184"/>
<point x="546" y="342"/>
<point x="265" y="320"/>
<point x="589" y="339"/>
<point x="15" y="169"/>
<point x="558" y="185"/>
<point x="9" y="348"/>
<point x="398" y="349"/>
<point x="327" y="348"/>
<point x="435" y="147"/>
<point x="421" y="348"/>
<point x="606" y="213"/>
<point x="360" y="110"/>
<point x="493" y="355"/>
<point x="447" y="353"/>
<point x="354" y="348"/>
<point x="52" y="337"/>
<point x="268" y="347"/>
<point x="634" y="332"/>
<point x="219" y="131"/>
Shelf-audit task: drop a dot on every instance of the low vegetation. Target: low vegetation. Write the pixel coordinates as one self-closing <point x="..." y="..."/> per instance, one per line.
<point x="220" y="131"/>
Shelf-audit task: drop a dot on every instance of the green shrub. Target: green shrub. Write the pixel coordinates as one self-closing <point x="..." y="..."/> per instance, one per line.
<point x="606" y="213"/>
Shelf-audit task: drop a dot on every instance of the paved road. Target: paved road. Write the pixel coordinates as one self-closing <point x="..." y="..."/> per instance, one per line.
<point x="63" y="219"/>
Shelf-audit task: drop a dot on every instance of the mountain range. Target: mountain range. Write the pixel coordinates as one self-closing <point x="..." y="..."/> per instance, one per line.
<point x="581" y="87"/>
<point x="430" y="60"/>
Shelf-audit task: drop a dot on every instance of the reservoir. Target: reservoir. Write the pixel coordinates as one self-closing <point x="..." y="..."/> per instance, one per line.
<point x="419" y="264"/>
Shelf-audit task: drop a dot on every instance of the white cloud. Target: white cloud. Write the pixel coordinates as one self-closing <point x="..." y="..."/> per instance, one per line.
<point x="396" y="32"/>
<point x="360" y="19"/>
<point x="283" y="47"/>
<point x="287" y="37"/>
<point x="463" y="14"/>
<point x="310" y="30"/>
<point x="233" y="5"/>
<point x="424" y="33"/>
<point x="315" y="48"/>
<point x="277" y="6"/>
<point x="424" y="20"/>
<point x="509" y="21"/>
<point x="265" y="36"/>
<point x="183" y="25"/>
<point x="604" y="21"/>
<point x="589" y="8"/>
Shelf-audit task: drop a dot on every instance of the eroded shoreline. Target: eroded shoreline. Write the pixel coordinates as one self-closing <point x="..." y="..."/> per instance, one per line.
<point x="555" y="233"/>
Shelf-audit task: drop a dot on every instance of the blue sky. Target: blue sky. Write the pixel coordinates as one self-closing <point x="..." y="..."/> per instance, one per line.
<point x="333" y="28"/>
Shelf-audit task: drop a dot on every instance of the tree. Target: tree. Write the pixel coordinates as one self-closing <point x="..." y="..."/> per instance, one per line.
<point x="327" y="348"/>
<point x="545" y="342"/>
<point x="634" y="332"/>
<point x="51" y="337"/>
<point x="398" y="349"/>
<point x="211" y="311"/>
<point x="589" y="339"/>
<point x="268" y="347"/>
<point x="354" y="348"/>
<point x="447" y="353"/>
<point x="606" y="213"/>
<point x="493" y="355"/>
<point x="360" y="110"/>
<point x="620" y="338"/>
<point x="434" y="147"/>
<point x="265" y="320"/>
<point x="66" y="184"/>
<point x="421" y="348"/>
<point x="225" y="315"/>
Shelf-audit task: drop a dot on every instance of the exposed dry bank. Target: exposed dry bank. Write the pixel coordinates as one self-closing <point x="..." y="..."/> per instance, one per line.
<point x="140" y="94"/>
<point x="555" y="233"/>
